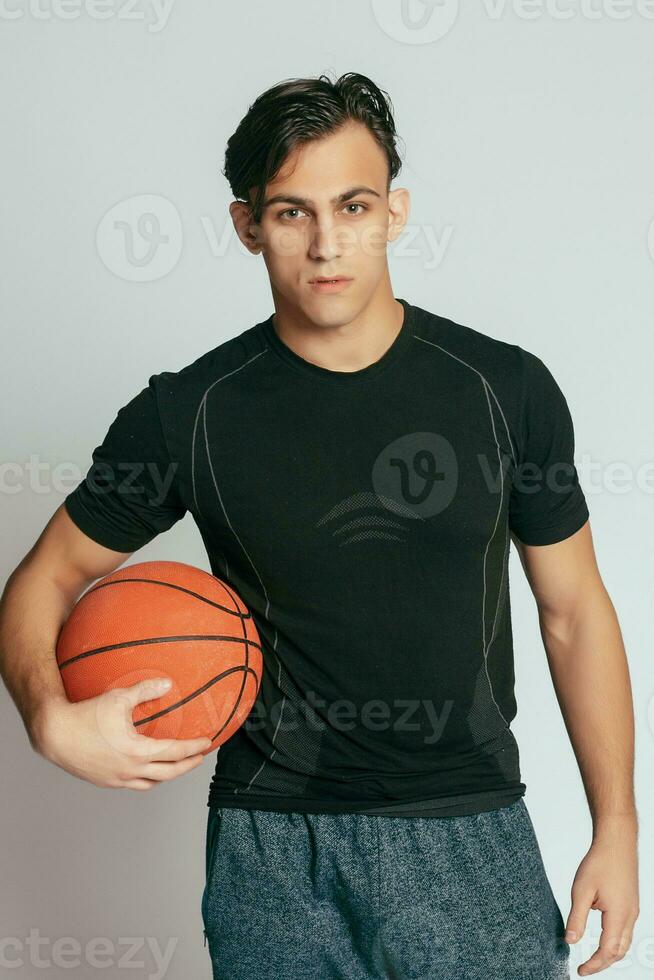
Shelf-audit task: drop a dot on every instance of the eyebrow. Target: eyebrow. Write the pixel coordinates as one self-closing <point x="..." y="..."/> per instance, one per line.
<point x="307" y="202"/>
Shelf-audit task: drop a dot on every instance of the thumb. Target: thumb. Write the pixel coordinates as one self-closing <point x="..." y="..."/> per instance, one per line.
<point x="578" y="917"/>
<point x="152" y="687"/>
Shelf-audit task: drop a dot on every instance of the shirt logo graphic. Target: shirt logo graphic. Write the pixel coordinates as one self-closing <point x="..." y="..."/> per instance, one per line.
<point x="413" y="477"/>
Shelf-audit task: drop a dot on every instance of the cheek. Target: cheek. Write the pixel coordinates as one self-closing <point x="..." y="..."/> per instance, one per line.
<point x="282" y="269"/>
<point x="284" y="246"/>
<point x="374" y="240"/>
<point x="363" y="242"/>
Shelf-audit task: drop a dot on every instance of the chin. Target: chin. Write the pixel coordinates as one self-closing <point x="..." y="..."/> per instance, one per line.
<point x="331" y="313"/>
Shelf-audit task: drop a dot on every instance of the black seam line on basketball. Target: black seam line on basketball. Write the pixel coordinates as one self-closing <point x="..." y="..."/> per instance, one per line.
<point x="247" y="668"/>
<point x="157" y="639"/>
<point x="170" y="585"/>
<point x="194" y="694"/>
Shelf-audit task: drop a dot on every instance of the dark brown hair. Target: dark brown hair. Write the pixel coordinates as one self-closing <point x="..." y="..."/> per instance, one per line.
<point x="296" y="111"/>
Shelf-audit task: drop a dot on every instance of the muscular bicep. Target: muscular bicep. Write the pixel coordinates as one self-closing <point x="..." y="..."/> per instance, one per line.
<point x="69" y="557"/>
<point x="561" y="575"/>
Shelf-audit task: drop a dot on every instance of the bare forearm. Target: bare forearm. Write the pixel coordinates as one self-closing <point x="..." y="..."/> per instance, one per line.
<point x="32" y="610"/>
<point x="591" y="678"/>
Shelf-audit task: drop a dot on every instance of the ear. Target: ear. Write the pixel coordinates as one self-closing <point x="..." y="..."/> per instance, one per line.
<point x="246" y="229"/>
<point x="399" y="206"/>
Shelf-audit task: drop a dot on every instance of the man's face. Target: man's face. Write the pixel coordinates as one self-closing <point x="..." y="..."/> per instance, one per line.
<point x="328" y="214"/>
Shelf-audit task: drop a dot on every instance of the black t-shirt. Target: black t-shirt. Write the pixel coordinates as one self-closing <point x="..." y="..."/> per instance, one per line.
<point x="364" y="518"/>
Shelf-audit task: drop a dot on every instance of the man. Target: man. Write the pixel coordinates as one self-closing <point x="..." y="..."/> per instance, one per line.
<point x="357" y="467"/>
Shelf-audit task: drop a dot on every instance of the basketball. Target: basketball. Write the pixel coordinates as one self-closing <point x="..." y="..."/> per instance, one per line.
<point x="166" y="619"/>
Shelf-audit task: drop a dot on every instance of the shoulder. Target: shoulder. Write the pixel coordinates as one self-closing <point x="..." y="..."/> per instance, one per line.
<point x="519" y="386"/>
<point x="508" y="368"/>
<point x="179" y="393"/>
<point x="222" y="363"/>
<point x="472" y="348"/>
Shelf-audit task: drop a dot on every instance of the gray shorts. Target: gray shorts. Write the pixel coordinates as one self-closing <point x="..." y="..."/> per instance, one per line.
<point x="354" y="896"/>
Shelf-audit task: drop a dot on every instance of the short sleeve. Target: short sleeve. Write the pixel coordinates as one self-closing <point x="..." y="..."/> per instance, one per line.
<point x="130" y="492"/>
<point x="547" y="503"/>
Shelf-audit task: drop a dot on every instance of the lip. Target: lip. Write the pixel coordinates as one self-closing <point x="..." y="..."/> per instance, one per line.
<point x="337" y="285"/>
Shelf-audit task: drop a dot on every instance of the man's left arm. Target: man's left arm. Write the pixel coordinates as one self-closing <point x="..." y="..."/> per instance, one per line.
<point x="589" y="669"/>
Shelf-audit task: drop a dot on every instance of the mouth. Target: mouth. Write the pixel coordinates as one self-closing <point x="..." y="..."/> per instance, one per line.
<point x="330" y="279"/>
<point x="324" y="284"/>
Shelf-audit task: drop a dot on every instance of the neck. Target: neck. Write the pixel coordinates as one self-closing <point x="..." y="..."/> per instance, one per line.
<point x="346" y="344"/>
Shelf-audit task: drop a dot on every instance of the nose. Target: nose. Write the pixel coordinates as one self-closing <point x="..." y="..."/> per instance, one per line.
<point x="324" y="244"/>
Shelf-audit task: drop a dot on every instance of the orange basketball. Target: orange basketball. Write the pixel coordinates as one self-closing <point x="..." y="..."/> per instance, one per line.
<point x="166" y="619"/>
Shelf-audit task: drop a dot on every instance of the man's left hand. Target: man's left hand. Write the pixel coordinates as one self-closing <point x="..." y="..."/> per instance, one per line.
<point x="607" y="879"/>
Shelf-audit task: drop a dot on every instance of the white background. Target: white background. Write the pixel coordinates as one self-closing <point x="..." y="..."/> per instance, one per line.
<point x="527" y="147"/>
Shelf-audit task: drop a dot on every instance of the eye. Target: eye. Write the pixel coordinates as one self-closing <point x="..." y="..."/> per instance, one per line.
<point x="288" y="211"/>
<point x="356" y="204"/>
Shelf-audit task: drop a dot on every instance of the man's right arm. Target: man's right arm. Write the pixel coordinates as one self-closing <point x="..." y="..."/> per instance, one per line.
<point x="38" y="597"/>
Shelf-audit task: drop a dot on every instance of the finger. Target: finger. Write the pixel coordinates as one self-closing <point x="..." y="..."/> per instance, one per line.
<point x="140" y="784"/>
<point x="169" y="749"/>
<point x="615" y="940"/>
<point x="170" y="770"/>
<point x="609" y="951"/>
<point x="147" y="690"/>
<point x="578" y="917"/>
